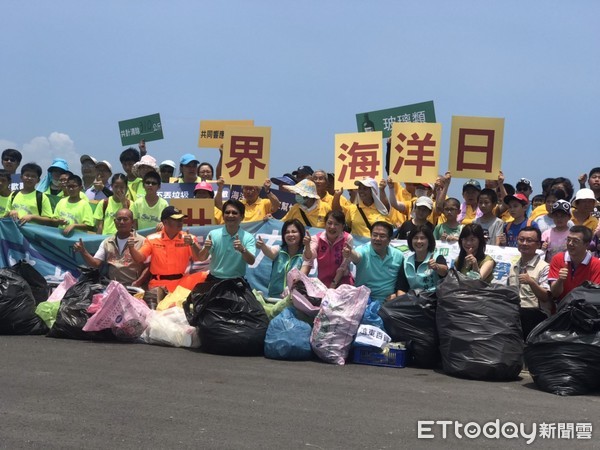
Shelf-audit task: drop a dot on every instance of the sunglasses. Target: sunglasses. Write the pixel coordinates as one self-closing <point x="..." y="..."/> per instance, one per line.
<point x="9" y="159"/>
<point x="150" y="183"/>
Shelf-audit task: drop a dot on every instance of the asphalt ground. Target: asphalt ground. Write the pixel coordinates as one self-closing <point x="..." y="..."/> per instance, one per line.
<point x="67" y="394"/>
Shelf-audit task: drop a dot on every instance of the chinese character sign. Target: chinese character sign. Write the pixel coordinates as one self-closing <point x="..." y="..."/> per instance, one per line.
<point x="476" y="147"/>
<point x="212" y="132"/>
<point x="415" y="152"/>
<point x="246" y="152"/>
<point x="357" y="155"/>
<point x="383" y="119"/>
<point x="148" y="128"/>
<point x="199" y="211"/>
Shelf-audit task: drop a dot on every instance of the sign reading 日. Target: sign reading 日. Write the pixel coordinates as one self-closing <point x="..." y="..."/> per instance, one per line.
<point x="415" y="152"/>
<point x="476" y="147"/>
<point x="148" y="128"/>
<point x="357" y="155"/>
<point x="246" y="153"/>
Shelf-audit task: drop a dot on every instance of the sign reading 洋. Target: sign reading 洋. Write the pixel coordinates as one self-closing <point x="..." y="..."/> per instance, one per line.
<point x="415" y="152"/>
<point x="148" y="128"/>
<point x="246" y="153"/>
<point x="476" y="147"/>
<point x="383" y="119"/>
<point x="357" y="155"/>
<point x="212" y="132"/>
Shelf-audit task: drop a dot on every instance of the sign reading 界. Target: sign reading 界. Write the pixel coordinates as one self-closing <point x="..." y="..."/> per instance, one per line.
<point x="246" y="152"/>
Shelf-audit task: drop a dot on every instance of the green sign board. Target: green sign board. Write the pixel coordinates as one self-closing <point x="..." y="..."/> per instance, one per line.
<point x="147" y="128"/>
<point x="383" y="119"/>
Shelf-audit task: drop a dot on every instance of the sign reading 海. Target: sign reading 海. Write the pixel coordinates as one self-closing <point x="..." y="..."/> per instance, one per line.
<point x="415" y="152"/>
<point x="212" y="132"/>
<point x="476" y="147"/>
<point x="357" y="155"/>
<point x="246" y="153"/>
<point x="383" y="119"/>
<point x="148" y="128"/>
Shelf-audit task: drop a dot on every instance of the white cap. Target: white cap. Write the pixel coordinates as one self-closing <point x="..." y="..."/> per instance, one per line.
<point x="104" y="163"/>
<point x="425" y="201"/>
<point x="584" y="194"/>
<point x="168" y="162"/>
<point x="85" y="158"/>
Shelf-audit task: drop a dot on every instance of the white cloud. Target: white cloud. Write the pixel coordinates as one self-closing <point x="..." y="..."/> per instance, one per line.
<point x="43" y="150"/>
<point x="4" y="144"/>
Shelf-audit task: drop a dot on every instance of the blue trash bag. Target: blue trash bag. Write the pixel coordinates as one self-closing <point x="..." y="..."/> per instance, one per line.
<point x="288" y="337"/>
<point x="371" y="315"/>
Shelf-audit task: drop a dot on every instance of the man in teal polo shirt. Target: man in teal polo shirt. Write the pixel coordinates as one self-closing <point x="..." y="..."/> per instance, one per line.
<point x="231" y="248"/>
<point x="377" y="264"/>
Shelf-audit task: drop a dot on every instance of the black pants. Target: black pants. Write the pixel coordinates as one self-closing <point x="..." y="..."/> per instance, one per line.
<point x="530" y="317"/>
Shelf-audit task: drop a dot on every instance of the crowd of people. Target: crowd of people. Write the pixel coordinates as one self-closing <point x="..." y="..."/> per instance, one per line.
<point x="556" y="232"/>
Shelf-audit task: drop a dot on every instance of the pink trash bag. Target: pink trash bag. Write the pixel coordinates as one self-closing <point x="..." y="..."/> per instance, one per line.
<point x="59" y="292"/>
<point x="119" y="311"/>
<point x="307" y="293"/>
<point x="337" y="322"/>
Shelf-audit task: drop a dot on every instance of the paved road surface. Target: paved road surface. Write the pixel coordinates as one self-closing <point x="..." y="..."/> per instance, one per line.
<point x="72" y="394"/>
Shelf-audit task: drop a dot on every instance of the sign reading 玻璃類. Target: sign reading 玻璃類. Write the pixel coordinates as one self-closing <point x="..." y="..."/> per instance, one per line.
<point x="148" y="128"/>
<point x="383" y="119"/>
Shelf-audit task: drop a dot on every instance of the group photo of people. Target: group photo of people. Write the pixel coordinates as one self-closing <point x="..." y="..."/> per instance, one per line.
<point x="392" y="237"/>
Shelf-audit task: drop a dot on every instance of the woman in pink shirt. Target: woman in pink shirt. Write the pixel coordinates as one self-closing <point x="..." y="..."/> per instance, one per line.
<point x="326" y="248"/>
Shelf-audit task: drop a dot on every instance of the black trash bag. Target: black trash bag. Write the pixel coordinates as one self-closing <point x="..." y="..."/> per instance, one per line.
<point x="479" y="328"/>
<point x="410" y="318"/>
<point x="72" y="314"/>
<point x="229" y="318"/>
<point x="563" y="352"/>
<point x="588" y="291"/>
<point x="35" y="280"/>
<point x="17" y="306"/>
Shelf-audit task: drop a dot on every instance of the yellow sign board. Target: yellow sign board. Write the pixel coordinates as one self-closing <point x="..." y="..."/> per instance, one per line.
<point x="476" y="147"/>
<point x="199" y="211"/>
<point x="415" y="152"/>
<point x="212" y="132"/>
<point x="357" y="156"/>
<point x="246" y="153"/>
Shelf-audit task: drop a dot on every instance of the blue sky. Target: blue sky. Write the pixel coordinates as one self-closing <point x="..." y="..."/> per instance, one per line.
<point x="72" y="70"/>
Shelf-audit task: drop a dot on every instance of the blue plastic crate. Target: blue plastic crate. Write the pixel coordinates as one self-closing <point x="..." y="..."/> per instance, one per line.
<point x="374" y="357"/>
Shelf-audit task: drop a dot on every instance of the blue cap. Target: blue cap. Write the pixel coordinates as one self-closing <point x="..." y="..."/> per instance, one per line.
<point x="188" y="158"/>
<point x="285" y="180"/>
<point x="59" y="163"/>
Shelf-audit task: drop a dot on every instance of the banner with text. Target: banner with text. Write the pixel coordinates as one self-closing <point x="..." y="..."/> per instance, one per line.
<point x="212" y="132"/>
<point x="383" y="119"/>
<point x="148" y="128"/>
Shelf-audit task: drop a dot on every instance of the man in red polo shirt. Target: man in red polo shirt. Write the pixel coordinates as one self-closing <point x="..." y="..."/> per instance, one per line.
<point x="571" y="268"/>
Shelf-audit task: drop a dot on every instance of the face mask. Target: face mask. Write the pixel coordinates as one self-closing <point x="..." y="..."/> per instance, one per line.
<point x="420" y="192"/>
<point x="299" y="199"/>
